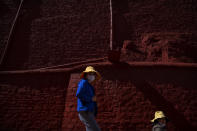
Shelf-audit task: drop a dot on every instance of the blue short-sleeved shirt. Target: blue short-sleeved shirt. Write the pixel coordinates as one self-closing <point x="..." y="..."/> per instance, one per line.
<point x="85" y="92"/>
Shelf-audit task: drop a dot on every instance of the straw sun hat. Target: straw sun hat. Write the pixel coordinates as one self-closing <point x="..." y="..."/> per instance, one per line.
<point x="158" y="115"/>
<point x="90" y="69"/>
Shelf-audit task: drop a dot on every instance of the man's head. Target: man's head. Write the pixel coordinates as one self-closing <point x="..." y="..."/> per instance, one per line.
<point x="90" y="74"/>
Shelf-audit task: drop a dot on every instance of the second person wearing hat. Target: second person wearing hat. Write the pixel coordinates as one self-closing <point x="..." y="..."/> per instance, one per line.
<point x="159" y="122"/>
<point x="86" y="102"/>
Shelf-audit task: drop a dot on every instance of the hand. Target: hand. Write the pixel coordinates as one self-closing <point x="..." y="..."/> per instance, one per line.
<point x="94" y="98"/>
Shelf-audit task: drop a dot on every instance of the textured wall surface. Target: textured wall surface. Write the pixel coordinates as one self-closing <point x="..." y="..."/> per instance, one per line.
<point x="8" y="9"/>
<point x="128" y="98"/>
<point x="33" y="102"/>
<point x="76" y="30"/>
<point x="69" y="31"/>
<point x="49" y="33"/>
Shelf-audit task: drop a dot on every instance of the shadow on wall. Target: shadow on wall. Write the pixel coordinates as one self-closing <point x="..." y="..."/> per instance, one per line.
<point x="35" y="98"/>
<point x="122" y="30"/>
<point x="4" y="9"/>
<point x="142" y="78"/>
<point x="18" y="49"/>
<point x="32" y="101"/>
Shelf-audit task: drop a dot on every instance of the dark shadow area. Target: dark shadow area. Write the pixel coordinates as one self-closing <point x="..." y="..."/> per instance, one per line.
<point x="18" y="49"/>
<point x="66" y="80"/>
<point x="184" y="49"/>
<point x="17" y="2"/>
<point x="184" y="76"/>
<point x="120" y="6"/>
<point x="121" y="29"/>
<point x="177" y="118"/>
<point x="4" y="9"/>
<point x="35" y="80"/>
<point x="141" y="76"/>
<point x="40" y="96"/>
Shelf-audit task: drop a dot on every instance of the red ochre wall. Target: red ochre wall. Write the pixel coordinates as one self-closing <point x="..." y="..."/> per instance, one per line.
<point x="55" y="32"/>
<point x="127" y="97"/>
<point x="32" y="102"/>
<point x="71" y="31"/>
<point x="68" y="31"/>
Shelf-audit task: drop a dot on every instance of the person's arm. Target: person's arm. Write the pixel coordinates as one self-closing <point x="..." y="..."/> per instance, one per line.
<point x="82" y="92"/>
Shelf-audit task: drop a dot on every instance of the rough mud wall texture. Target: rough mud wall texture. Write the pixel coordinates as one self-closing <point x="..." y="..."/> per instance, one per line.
<point x="166" y="47"/>
<point x="32" y="102"/>
<point x="8" y="9"/>
<point x="76" y="30"/>
<point x="150" y="19"/>
<point x="128" y="98"/>
<point x="67" y="31"/>
<point x="162" y="15"/>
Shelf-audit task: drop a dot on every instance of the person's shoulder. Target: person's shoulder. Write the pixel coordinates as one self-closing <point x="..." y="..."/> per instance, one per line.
<point x="83" y="81"/>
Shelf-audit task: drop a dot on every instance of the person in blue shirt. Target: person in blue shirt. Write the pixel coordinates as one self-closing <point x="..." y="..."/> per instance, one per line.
<point x="86" y="102"/>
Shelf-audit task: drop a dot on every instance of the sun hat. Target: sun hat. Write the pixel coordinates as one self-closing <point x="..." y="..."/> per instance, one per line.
<point x="90" y="69"/>
<point x="158" y="115"/>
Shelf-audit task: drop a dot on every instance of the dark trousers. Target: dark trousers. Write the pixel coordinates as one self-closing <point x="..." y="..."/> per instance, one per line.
<point x="89" y="121"/>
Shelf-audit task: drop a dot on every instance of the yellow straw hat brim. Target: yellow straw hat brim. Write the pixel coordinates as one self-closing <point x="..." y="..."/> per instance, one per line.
<point x="98" y="76"/>
<point x="158" y="118"/>
<point x="158" y="115"/>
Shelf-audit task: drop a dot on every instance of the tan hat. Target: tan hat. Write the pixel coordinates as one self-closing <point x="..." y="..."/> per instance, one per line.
<point x="158" y="115"/>
<point x="90" y="69"/>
